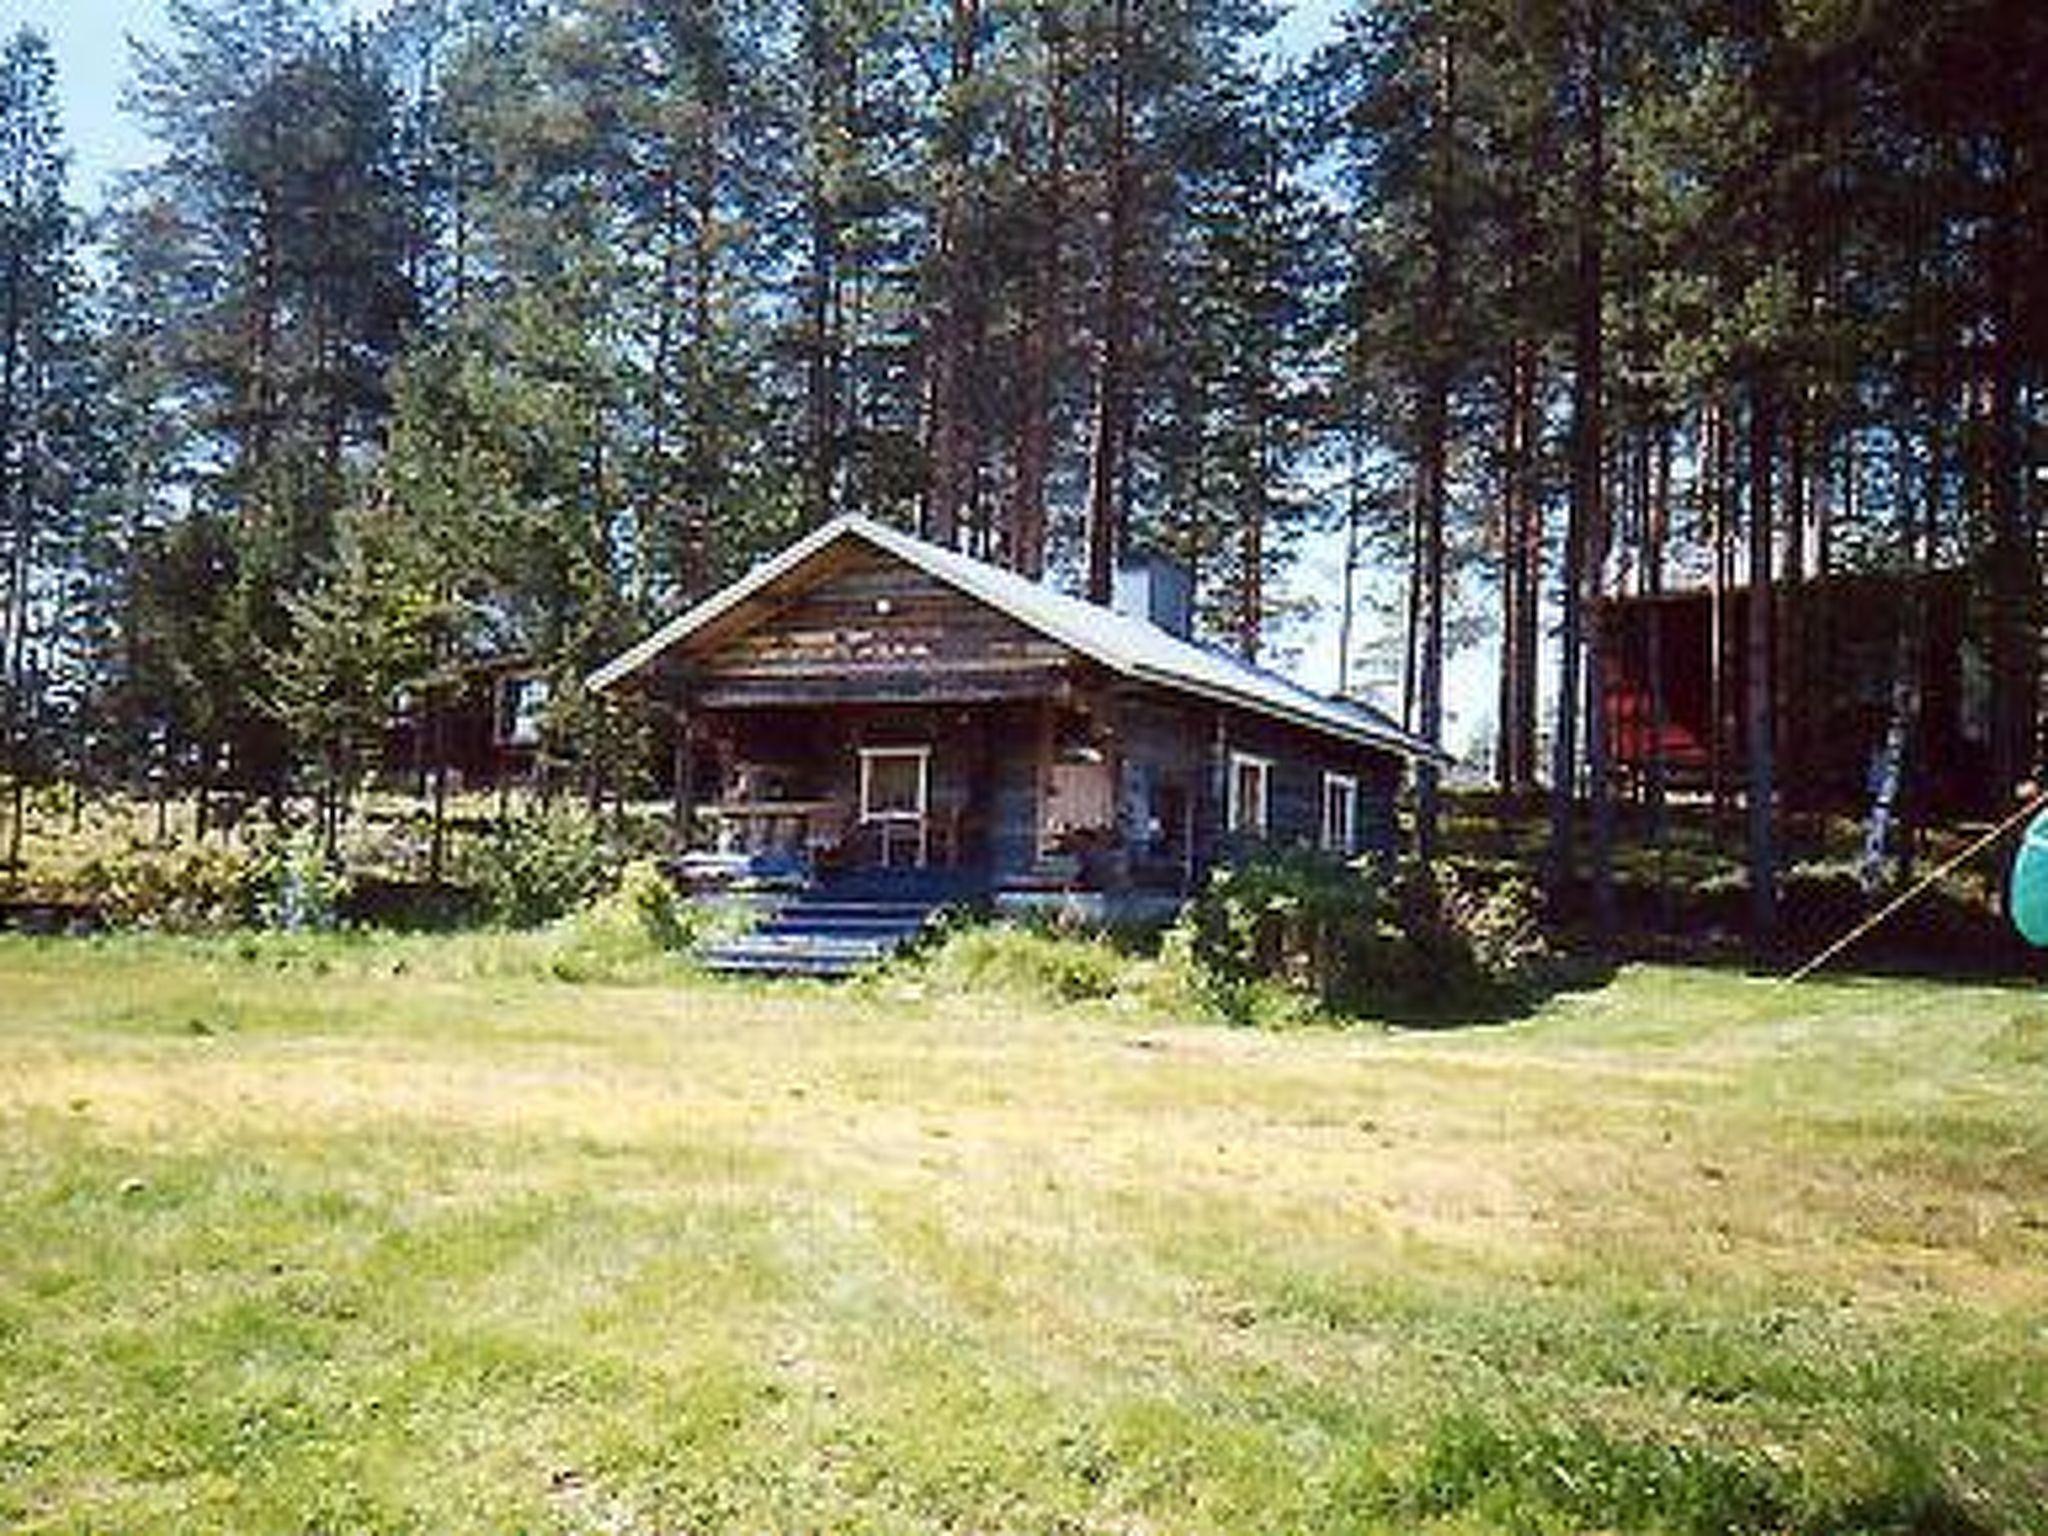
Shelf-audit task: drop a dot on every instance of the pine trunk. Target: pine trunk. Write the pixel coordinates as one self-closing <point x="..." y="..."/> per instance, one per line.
<point x="1110" y="431"/>
<point x="824" y="381"/>
<point x="949" y="407"/>
<point x="1434" y="449"/>
<point x="1759" y="715"/>
<point x="1044" y="340"/>
<point x="2016" y="607"/>
<point x="1588" y="475"/>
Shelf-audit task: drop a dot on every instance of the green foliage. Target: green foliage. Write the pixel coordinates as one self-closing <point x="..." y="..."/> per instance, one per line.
<point x="533" y="869"/>
<point x="640" y="925"/>
<point x="1359" y="942"/>
<point x="186" y="888"/>
<point x="1021" y="960"/>
<point x="297" y="885"/>
<point x="358" y="635"/>
<point x="282" y="880"/>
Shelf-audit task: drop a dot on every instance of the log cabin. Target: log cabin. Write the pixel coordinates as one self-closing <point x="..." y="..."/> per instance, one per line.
<point x="868" y="704"/>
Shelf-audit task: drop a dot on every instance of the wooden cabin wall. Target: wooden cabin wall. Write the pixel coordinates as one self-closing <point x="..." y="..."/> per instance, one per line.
<point x="1170" y="746"/>
<point x="1832" y="715"/>
<point x="1295" y="787"/>
<point x="818" y="749"/>
<point x="1162" y="769"/>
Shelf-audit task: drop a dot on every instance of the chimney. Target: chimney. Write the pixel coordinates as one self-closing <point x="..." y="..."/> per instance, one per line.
<point x="1157" y="589"/>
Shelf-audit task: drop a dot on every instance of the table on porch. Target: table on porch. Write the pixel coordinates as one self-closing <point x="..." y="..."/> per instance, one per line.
<point x="753" y="826"/>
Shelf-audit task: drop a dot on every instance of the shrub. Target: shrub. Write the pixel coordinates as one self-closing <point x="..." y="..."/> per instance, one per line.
<point x="1482" y="928"/>
<point x="637" y="924"/>
<point x="296" y="886"/>
<point x="1034" y="962"/>
<point x="1351" y="941"/>
<point x="537" y="868"/>
<point x="186" y="888"/>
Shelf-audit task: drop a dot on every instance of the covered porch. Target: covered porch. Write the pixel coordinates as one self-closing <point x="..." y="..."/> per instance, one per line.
<point x="978" y="797"/>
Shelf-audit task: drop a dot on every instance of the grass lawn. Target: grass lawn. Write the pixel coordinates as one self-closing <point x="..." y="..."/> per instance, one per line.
<point x="393" y="1236"/>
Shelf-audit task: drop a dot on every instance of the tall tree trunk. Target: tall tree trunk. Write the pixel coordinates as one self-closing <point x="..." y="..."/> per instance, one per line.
<point x="1589" y="478"/>
<point x="826" y="73"/>
<point x="1520" y="592"/>
<point x="1433" y="451"/>
<point x="17" y="516"/>
<point x="2016" y="607"/>
<point x="1044" y="339"/>
<point x="949" y="464"/>
<point x="1109" y="438"/>
<point x="1586" y="536"/>
<point x="1657" y="530"/>
<point x="1902" y="723"/>
<point x="705" y="472"/>
<point x="1354" y="532"/>
<point x="1716" y="456"/>
<point x="1759" y="714"/>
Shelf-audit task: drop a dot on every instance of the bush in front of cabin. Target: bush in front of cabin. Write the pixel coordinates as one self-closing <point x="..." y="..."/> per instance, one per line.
<point x="1352" y="941"/>
<point x="533" y="869"/>
<point x="1025" y="960"/>
<point x="297" y="885"/>
<point x="1478" y="928"/>
<point x="637" y="927"/>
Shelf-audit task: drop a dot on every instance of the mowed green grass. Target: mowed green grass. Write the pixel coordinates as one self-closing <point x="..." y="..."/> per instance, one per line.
<point x="393" y="1237"/>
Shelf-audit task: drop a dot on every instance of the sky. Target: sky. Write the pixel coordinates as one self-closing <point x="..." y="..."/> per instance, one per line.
<point x="92" y="41"/>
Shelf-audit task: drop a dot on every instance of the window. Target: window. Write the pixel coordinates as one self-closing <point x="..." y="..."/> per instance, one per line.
<point x="521" y="701"/>
<point x="1250" y="780"/>
<point x="893" y="782"/>
<point x="1340" y="814"/>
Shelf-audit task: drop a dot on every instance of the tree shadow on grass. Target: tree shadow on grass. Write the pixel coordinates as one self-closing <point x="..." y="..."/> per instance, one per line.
<point x="1532" y="1475"/>
<point x="1476" y="1001"/>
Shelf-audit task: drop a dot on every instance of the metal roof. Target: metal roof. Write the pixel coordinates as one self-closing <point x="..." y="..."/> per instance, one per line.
<point x="1129" y="646"/>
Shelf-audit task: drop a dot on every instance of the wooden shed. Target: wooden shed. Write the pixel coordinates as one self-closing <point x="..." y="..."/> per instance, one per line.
<point x="1675" y="678"/>
<point x="868" y="703"/>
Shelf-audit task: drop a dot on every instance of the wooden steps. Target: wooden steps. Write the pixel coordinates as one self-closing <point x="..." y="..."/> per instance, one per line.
<point x="823" y="935"/>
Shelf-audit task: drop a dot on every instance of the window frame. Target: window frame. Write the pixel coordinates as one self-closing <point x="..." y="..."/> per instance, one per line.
<point x="1235" y="819"/>
<point x="1340" y="789"/>
<point x="518" y="701"/>
<point x="869" y="756"/>
<point x="917" y="822"/>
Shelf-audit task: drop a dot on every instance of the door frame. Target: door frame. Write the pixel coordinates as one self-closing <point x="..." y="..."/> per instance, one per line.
<point x="889" y="824"/>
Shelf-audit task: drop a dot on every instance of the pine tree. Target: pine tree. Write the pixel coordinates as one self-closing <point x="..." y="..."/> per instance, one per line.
<point x="38" y="294"/>
<point x="278" y="202"/>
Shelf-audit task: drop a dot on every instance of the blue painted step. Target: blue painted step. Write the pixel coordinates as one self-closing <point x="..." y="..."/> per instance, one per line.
<point x="823" y="936"/>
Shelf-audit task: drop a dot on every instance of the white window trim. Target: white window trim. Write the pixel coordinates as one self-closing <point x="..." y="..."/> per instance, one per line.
<point x="869" y="756"/>
<point x="1346" y="787"/>
<point x="1235" y="820"/>
<point x="523" y="729"/>
<point x="919" y="820"/>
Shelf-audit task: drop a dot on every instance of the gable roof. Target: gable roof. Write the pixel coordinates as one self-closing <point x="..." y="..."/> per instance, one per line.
<point x="1128" y="646"/>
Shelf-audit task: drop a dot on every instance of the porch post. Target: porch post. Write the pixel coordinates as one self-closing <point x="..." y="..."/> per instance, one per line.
<point x="682" y="768"/>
